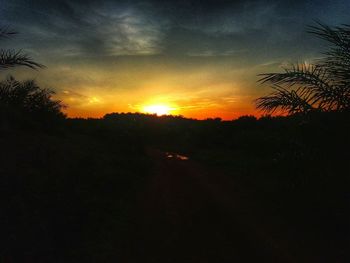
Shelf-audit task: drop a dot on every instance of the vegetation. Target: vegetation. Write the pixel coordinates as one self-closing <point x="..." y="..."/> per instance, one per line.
<point x="25" y="104"/>
<point x="323" y="86"/>
<point x="13" y="58"/>
<point x="66" y="197"/>
<point x="70" y="196"/>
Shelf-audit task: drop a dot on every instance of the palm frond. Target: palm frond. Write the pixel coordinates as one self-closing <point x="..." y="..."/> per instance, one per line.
<point x="312" y="81"/>
<point x="289" y="101"/>
<point x="337" y="57"/>
<point x="11" y="58"/>
<point x="305" y="74"/>
<point x="324" y="86"/>
<point x="5" y="32"/>
<point x="338" y="36"/>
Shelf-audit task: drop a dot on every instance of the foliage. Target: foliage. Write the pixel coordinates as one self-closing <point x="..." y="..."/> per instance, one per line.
<point x="13" y="58"/>
<point x="71" y="197"/>
<point x="26" y="100"/>
<point x="65" y="198"/>
<point x="323" y="86"/>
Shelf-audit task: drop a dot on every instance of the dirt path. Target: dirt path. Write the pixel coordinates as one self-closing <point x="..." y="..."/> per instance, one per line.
<point x="188" y="214"/>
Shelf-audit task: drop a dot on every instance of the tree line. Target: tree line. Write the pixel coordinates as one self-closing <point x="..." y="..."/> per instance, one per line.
<point x="302" y="88"/>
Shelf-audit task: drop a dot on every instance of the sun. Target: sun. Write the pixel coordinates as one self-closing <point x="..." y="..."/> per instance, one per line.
<point x="159" y="109"/>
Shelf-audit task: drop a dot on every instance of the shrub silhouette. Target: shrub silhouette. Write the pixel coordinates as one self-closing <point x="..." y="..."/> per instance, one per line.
<point x="323" y="86"/>
<point x="27" y="101"/>
<point x="24" y="102"/>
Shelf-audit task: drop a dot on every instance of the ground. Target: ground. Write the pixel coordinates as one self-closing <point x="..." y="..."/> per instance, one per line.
<point x="187" y="213"/>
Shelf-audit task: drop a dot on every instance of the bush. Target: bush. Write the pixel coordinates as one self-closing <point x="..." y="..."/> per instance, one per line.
<point x="25" y="103"/>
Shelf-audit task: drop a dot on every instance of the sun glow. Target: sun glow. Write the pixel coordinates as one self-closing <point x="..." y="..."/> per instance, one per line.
<point x="158" y="109"/>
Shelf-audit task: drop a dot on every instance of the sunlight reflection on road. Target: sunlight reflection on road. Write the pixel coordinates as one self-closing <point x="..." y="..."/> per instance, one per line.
<point x="176" y="156"/>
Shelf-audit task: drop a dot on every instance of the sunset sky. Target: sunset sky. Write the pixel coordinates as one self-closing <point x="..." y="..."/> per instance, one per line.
<point x="195" y="58"/>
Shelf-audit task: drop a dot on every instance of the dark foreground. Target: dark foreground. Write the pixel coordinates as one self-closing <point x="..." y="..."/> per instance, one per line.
<point x="115" y="190"/>
<point x="187" y="213"/>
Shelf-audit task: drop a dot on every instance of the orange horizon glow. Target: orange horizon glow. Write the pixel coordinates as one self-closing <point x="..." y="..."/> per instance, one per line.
<point x="74" y="113"/>
<point x="97" y="104"/>
<point x="198" y="91"/>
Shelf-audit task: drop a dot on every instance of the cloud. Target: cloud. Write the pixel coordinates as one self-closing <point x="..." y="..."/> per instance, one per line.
<point x="105" y="54"/>
<point x="76" y="29"/>
<point x="129" y="32"/>
<point x="91" y="28"/>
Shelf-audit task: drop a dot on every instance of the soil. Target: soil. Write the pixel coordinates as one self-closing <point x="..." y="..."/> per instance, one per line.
<point x="188" y="213"/>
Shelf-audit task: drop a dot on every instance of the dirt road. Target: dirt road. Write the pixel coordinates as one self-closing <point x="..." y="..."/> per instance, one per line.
<point x="188" y="214"/>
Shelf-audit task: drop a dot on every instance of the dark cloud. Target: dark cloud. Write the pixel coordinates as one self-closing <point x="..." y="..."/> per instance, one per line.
<point x="101" y="51"/>
<point x="253" y="30"/>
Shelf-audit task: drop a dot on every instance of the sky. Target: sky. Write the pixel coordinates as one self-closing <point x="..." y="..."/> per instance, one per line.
<point x="199" y="59"/>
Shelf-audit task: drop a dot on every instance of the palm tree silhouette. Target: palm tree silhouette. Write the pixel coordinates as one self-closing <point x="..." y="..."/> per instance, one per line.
<point x="22" y="100"/>
<point x="323" y="86"/>
<point x="29" y="98"/>
<point x="13" y="58"/>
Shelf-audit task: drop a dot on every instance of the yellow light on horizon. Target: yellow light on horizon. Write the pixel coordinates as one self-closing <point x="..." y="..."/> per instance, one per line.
<point x="94" y="100"/>
<point x="159" y="109"/>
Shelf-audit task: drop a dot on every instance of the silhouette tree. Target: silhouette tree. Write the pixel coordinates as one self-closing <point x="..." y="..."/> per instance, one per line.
<point x="28" y="100"/>
<point x="23" y="101"/>
<point x="13" y="58"/>
<point x="323" y="86"/>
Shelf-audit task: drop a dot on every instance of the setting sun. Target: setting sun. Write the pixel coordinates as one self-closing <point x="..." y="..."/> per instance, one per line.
<point x="157" y="109"/>
<point x="164" y="131"/>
